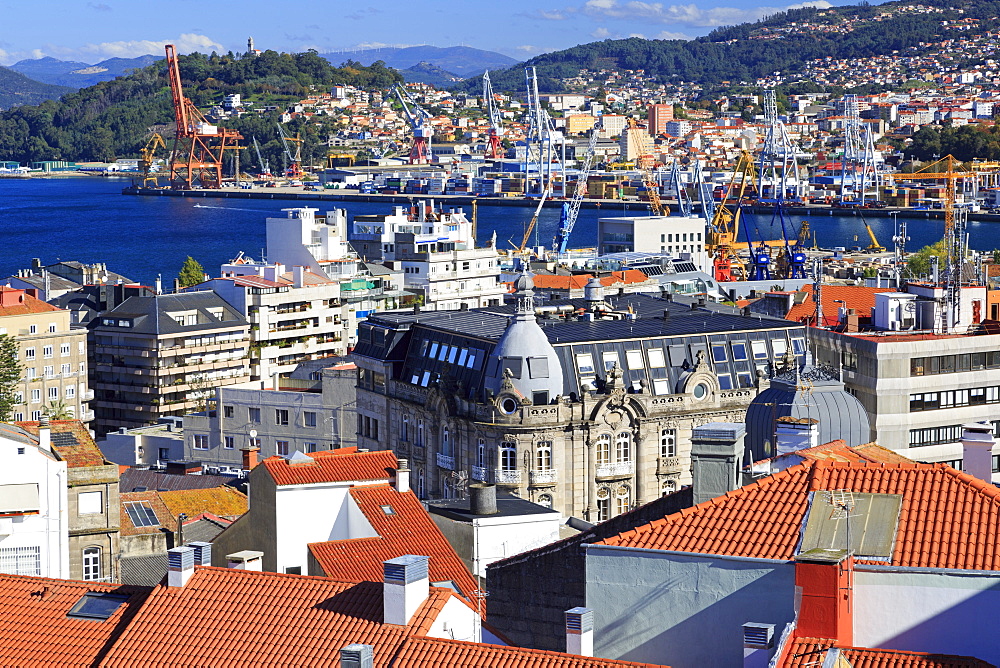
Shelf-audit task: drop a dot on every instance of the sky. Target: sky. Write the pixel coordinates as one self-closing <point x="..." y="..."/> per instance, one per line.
<point x="92" y="30"/>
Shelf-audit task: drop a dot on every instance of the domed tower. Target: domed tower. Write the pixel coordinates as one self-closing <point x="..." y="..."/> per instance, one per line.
<point x="524" y="367"/>
<point x="807" y="392"/>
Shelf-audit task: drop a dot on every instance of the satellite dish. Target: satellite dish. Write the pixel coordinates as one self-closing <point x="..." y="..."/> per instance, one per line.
<point x="253" y="433"/>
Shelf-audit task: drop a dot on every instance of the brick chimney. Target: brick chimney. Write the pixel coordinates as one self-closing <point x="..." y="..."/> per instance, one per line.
<point x="250" y="456"/>
<point x="405" y="586"/>
<point x="580" y="631"/>
<point x="825" y="610"/>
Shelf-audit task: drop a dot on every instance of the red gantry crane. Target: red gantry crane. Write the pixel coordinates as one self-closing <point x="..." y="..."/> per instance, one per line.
<point x="199" y="146"/>
<point x="495" y="148"/>
<point x="419" y="118"/>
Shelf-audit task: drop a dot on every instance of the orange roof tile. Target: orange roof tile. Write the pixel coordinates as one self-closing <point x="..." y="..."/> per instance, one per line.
<point x="803" y="652"/>
<point x="628" y="277"/>
<point x="35" y="630"/>
<point x="221" y="501"/>
<point x="23" y="304"/>
<point x="763" y="520"/>
<point x="839" y="451"/>
<point x="857" y="297"/>
<point x="334" y="466"/>
<point x="77" y="448"/>
<point x="230" y="617"/>
<point x="422" y="652"/>
<point x="554" y="282"/>
<point x="409" y="530"/>
<point x="166" y="520"/>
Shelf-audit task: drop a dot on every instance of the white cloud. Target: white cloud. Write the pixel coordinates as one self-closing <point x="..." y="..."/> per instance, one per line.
<point x="690" y="14"/>
<point x="551" y="15"/>
<point x="667" y="34"/>
<point x="380" y="45"/>
<point x="601" y="33"/>
<point x="186" y="43"/>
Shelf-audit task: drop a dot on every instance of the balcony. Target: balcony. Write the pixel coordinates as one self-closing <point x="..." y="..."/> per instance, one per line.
<point x="446" y="461"/>
<point x="508" y="477"/>
<point x="615" y="470"/>
<point x="546" y="477"/>
<point x="479" y="473"/>
<point x="669" y="466"/>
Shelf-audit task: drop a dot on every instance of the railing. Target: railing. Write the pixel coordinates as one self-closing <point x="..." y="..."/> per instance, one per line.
<point x="446" y="461"/>
<point x="508" y="477"/>
<point x="668" y="465"/>
<point x="546" y="477"/>
<point x="615" y="469"/>
<point x="479" y="473"/>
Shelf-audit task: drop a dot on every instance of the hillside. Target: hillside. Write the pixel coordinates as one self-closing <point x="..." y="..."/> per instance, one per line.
<point x="80" y="75"/>
<point x="115" y="118"/>
<point x="427" y="73"/>
<point x="17" y="89"/>
<point x="783" y="42"/>
<point x="462" y="60"/>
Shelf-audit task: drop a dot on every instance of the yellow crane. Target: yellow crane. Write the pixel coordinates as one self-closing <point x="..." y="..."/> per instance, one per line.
<point x="644" y="161"/>
<point x="951" y="175"/>
<point x="148" y="153"/>
<point x="720" y="242"/>
<point x="874" y="246"/>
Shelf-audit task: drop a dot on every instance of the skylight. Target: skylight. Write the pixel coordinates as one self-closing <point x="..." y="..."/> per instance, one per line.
<point x="387" y="509"/>
<point x="97" y="605"/>
<point x="141" y="514"/>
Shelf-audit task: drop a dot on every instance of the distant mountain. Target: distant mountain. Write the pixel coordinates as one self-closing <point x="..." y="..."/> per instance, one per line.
<point x="79" y="75"/>
<point x="462" y="60"/>
<point x="427" y="73"/>
<point x="17" y="89"/>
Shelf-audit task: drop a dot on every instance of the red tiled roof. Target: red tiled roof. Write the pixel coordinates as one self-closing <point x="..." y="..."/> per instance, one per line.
<point x="79" y="450"/>
<point x="409" y="530"/>
<point x="13" y="304"/>
<point x="35" y="630"/>
<point x="556" y="282"/>
<point x="839" y="451"/>
<point x="343" y="465"/>
<point x="230" y="617"/>
<point x="948" y="518"/>
<point x="857" y="297"/>
<point x="425" y="652"/>
<point x="163" y="516"/>
<point x="803" y="652"/>
<point x="628" y="277"/>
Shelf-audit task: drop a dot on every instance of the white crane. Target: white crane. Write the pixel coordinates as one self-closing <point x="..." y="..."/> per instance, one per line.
<point x="494" y="149"/>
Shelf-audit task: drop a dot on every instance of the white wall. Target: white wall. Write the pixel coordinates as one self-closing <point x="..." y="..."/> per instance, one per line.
<point x="457" y="621"/>
<point x="502" y="537"/>
<point x="314" y="514"/>
<point x="948" y="612"/>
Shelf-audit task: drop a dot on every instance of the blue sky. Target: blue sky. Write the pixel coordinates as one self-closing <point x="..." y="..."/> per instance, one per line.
<point x="92" y="30"/>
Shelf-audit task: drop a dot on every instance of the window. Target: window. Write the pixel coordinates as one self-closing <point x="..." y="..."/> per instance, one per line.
<point x="446" y="441"/>
<point x="543" y="456"/>
<point x="36" y="396"/>
<point x="310" y="447"/>
<point x="253" y="414"/>
<point x="603" y="504"/>
<point x="281" y="447"/>
<point x="633" y="358"/>
<point x="33" y="329"/>
<point x="280" y="416"/>
<point x="310" y="418"/>
<point x="29" y="353"/>
<point x="141" y="514"/>
<point x="64" y="350"/>
<point x="81" y="347"/>
<point x="229" y="442"/>
<point x="228" y="411"/>
<point x="623" y="499"/>
<point x="163" y="454"/>
<point x="585" y="363"/>
<point x="30" y="372"/>
<point x="21" y="560"/>
<point x="623" y="447"/>
<point x="668" y="442"/>
<point x="92" y="563"/>
<point x="36" y="416"/>
<point x="759" y="350"/>
<point x="604" y="449"/>
<point x="420" y="433"/>
<point x="719" y="354"/>
<point x="508" y="456"/>
<point x="610" y="360"/>
<point x="538" y="367"/>
<point x="47" y="352"/>
<point x="739" y="352"/>
<point x="90" y="503"/>
<point x="656" y="359"/>
<point x="779" y="346"/>
<point x="66" y="369"/>
<point x="935" y="435"/>
<point x="53" y="392"/>
<point x="97" y="605"/>
<point x="481" y="453"/>
<point x="404" y="429"/>
<point x="200" y="442"/>
<point x="725" y="381"/>
<point x="49" y="371"/>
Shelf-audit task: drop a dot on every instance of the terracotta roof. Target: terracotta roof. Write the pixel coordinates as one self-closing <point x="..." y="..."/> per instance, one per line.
<point x="163" y="516"/>
<point x="948" y="518"/>
<point x="857" y="297"/>
<point x="437" y="653"/>
<point x="71" y="441"/>
<point x="804" y="652"/>
<point x="628" y="277"/>
<point x="554" y="282"/>
<point x="222" y="501"/>
<point x="230" y="617"/>
<point x="333" y="466"/>
<point x="408" y="530"/>
<point x="23" y="304"/>
<point x="839" y="451"/>
<point x="34" y="628"/>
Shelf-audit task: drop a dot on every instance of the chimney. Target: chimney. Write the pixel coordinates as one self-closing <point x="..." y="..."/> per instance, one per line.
<point x="716" y="458"/>
<point x="580" y="631"/>
<point x="758" y="642"/>
<point x="298" y="276"/>
<point x="250" y="457"/>
<point x="177" y="285"/>
<point x="245" y="560"/>
<point x="483" y="499"/>
<point x="202" y="553"/>
<point x="405" y="586"/>
<point x="793" y="434"/>
<point x="823" y="585"/>
<point x="403" y="476"/>
<point x="44" y="434"/>
<point x="977" y="450"/>
<point x="356" y="656"/>
<point x="180" y="566"/>
<point x="159" y="284"/>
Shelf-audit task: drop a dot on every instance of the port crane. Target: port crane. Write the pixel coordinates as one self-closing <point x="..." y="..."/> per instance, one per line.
<point x="265" y="168"/>
<point x="148" y="153"/>
<point x="644" y="162"/>
<point x="294" y="169"/>
<point x="571" y="209"/>
<point x="199" y="147"/>
<point x="724" y="227"/>
<point x="494" y="148"/>
<point x="419" y="118"/>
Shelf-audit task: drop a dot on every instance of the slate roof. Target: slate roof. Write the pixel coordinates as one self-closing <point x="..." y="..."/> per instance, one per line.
<point x="333" y="466"/>
<point x="149" y="315"/>
<point x="34" y="628"/>
<point x="71" y="441"/>
<point x="811" y="652"/>
<point x="229" y="617"/>
<point x="143" y="570"/>
<point x="422" y="652"/>
<point x="133" y="478"/>
<point x="948" y="519"/>
<point x="408" y="530"/>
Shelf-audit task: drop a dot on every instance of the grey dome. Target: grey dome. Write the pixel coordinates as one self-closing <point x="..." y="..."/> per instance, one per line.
<point x="809" y="393"/>
<point x="523" y="283"/>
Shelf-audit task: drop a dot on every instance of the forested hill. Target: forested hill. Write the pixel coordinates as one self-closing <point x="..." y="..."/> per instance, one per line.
<point x="15" y="89"/>
<point x="116" y="118"/>
<point x="780" y="43"/>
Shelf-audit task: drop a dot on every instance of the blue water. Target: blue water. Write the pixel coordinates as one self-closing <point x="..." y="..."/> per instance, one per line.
<point x="88" y="219"/>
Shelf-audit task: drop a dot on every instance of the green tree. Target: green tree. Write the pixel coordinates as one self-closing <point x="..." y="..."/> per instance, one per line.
<point x="919" y="264"/>
<point x="10" y="374"/>
<point x="192" y="273"/>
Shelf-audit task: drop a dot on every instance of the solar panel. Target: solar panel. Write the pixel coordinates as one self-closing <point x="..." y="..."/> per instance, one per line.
<point x="141" y="514"/>
<point x="869" y="519"/>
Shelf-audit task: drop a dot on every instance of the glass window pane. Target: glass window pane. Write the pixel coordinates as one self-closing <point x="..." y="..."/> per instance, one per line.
<point x="585" y="363"/>
<point x="739" y="351"/>
<point x="634" y="359"/>
<point x="656" y="360"/>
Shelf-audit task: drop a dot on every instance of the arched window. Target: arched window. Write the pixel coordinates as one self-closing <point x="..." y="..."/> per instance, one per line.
<point x="603" y="504"/>
<point x="668" y="442"/>
<point x="623" y="498"/>
<point x="604" y="449"/>
<point x="404" y="429"/>
<point x="623" y="447"/>
<point x="545" y="500"/>
<point x="446" y="441"/>
<point x="543" y="456"/>
<point x="481" y="453"/>
<point x="668" y="487"/>
<point x="92" y="563"/>
<point x="508" y="456"/>
<point x="420" y="433"/>
<point x="420" y="483"/>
